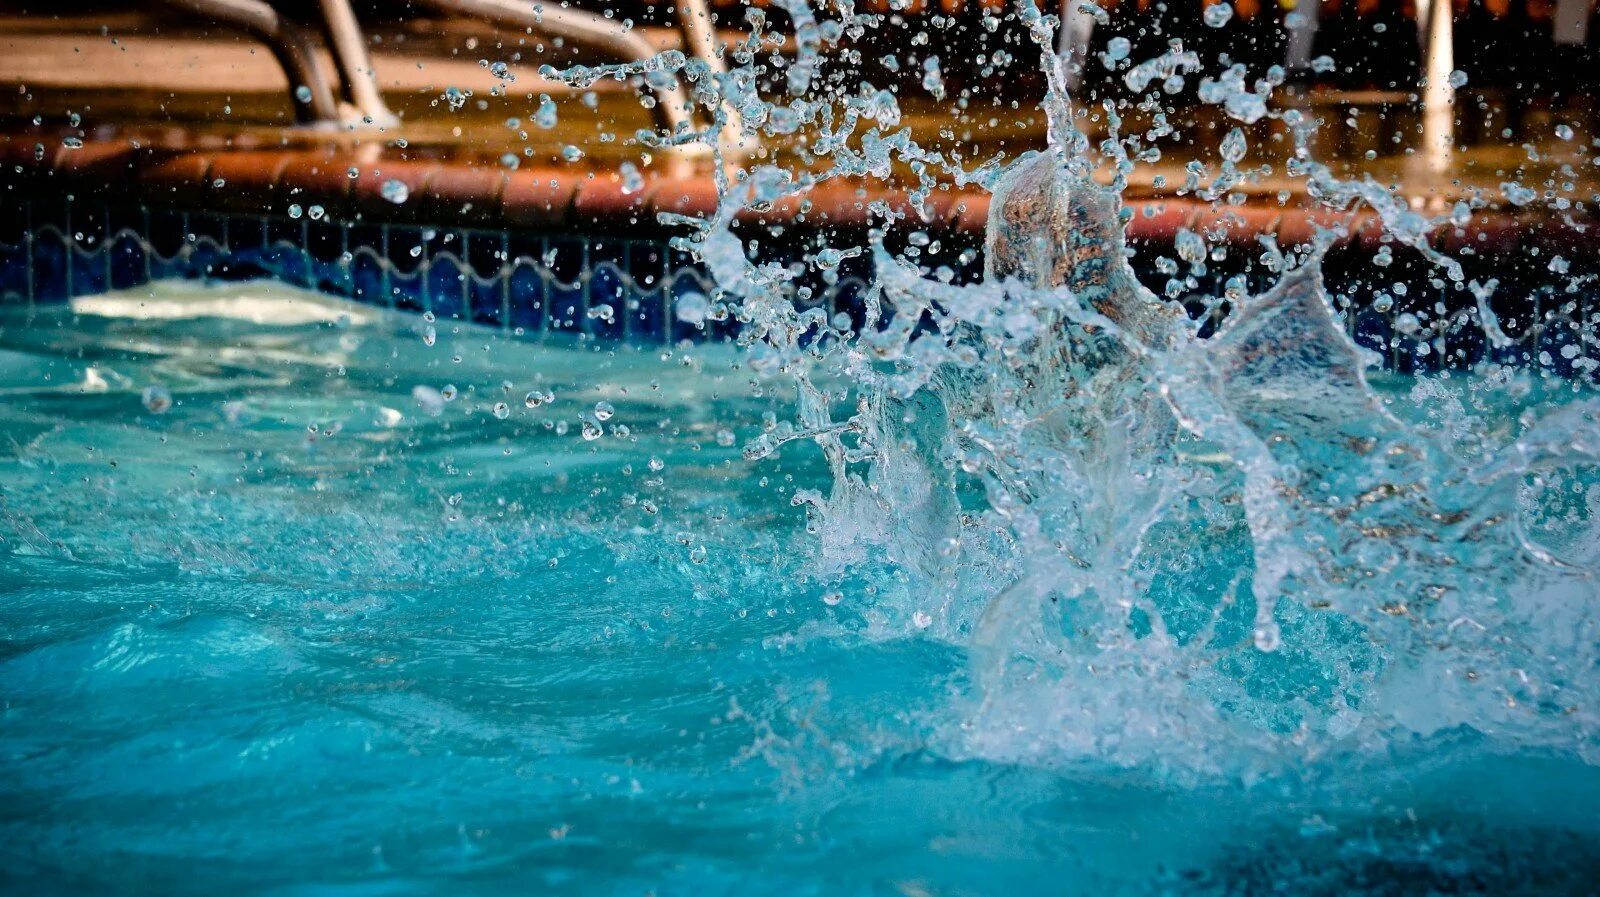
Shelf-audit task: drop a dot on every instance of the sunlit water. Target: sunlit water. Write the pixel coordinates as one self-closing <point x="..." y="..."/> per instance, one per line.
<point x="298" y="634"/>
<point x="1022" y="586"/>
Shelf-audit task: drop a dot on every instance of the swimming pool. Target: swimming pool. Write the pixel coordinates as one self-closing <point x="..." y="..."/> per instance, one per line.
<point x="307" y="597"/>
<point x="822" y="502"/>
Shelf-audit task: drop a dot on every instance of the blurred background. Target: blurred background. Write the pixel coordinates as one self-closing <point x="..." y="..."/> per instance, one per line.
<point x="1526" y="62"/>
<point x="460" y="79"/>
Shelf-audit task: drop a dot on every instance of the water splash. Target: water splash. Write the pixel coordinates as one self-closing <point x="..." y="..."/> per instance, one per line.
<point x="1218" y="552"/>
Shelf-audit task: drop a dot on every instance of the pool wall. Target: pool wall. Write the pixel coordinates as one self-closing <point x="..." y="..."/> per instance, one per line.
<point x="541" y="251"/>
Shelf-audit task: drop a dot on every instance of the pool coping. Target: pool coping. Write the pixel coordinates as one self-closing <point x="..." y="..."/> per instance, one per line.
<point x="452" y="192"/>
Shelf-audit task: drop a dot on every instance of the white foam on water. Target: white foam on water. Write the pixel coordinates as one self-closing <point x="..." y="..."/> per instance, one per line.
<point x="1218" y="555"/>
<point x="263" y="303"/>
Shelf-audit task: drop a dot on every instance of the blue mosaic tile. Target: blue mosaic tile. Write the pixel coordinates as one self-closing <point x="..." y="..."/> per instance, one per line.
<point x="331" y="277"/>
<point x="683" y="284"/>
<point x="1372" y="330"/>
<point x="369" y="280"/>
<point x="566" y="308"/>
<point x="647" y="317"/>
<point x="409" y="291"/>
<point x="49" y="260"/>
<point x="446" y="288"/>
<point x="529" y="297"/>
<point x="14" y="282"/>
<point x="1464" y="346"/>
<point x="487" y="300"/>
<point x="608" y="293"/>
<point x="89" y="272"/>
<point x="607" y="288"/>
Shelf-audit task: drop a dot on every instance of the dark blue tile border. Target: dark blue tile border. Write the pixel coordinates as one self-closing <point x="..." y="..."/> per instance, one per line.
<point x="531" y="284"/>
<point x="600" y="288"/>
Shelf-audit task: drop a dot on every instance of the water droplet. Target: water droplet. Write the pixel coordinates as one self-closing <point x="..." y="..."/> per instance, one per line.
<point x="571" y="153"/>
<point x="1458" y="79"/>
<point x="546" y="116"/>
<point x="295" y="211"/>
<point x="448" y="393"/>
<point x="302" y="93"/>
<point x="316" y="213"/>
<point x="157" y="400"/>
<point x="1218" y="14"/>
<point x="428" y="399"/>
<point x="592" y="431"/>
<point x="725" y="438"/>
<point x="502" y="410"/>
<point x="693" y="308"/>
<point x="1190" y="245"/>
<point x="1234" y="146"/>
<point x="1518" y="194"/>
<point x="632" y="180"/>
<point x="395" y="191"/>
<point x="603" y="410"/>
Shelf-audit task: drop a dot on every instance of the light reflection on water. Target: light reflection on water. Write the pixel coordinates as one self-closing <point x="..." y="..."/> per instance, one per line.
<point x="296" y="635"/>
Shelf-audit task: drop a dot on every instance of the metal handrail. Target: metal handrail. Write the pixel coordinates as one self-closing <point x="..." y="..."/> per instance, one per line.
<point x="672" y="105"/>
<point x="349" y="49"/>
<point x="700" y="40"/>
<point x="288" y="43"/>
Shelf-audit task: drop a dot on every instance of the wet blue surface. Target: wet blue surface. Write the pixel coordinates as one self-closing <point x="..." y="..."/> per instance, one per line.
<point x="297" y="635"/>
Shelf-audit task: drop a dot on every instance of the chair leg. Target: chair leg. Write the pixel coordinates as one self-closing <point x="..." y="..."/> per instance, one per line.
<point x="309" y="91"/>
<point x="350" y="54"/>
<point x="595" y="31"/>
<point x="700" y="41"/>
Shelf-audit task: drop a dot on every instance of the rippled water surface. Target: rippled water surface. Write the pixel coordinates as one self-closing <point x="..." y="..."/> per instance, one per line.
<point x="315" y="629"/>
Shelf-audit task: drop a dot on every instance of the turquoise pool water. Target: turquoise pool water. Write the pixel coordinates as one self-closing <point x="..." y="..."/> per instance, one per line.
<point x="316" y="629"/>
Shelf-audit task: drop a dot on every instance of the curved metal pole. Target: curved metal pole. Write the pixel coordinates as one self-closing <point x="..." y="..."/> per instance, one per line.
<point x="1439" y="96"/>
<point x="700" y="40"/>
<point x="1303" y="23"/>
<point x="1072" y="41"/>
<point x="672" y="106"/>
<point x="291" y="46"/>
<point x="699" y="37"/>
<point x="355" y="64"/>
